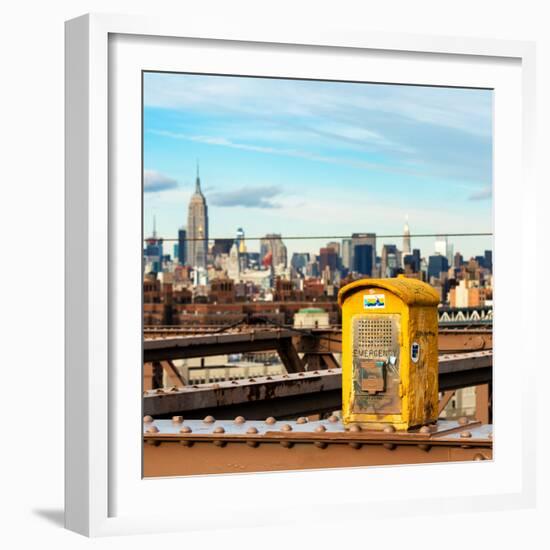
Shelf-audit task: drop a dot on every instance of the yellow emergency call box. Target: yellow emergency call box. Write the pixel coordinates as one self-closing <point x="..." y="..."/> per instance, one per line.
<point x="389" y="353"/>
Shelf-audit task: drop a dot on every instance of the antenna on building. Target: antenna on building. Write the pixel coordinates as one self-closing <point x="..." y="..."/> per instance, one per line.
<point x="154" y="226"/>
<point x="198" y="180"/>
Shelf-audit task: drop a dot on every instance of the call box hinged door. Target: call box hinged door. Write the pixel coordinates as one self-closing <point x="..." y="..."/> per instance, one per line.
<point x="376" y="376"/>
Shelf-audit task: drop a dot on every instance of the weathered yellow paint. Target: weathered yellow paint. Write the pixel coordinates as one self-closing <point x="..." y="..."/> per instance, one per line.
<point x="410" y="397"/>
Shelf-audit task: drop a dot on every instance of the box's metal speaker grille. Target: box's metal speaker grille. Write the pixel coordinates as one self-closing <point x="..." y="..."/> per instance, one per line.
<point x="374" y="337"/>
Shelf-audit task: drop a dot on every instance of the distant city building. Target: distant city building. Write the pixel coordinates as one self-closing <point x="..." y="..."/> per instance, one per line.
<point x="406" y="238"/>
<point x="253" y="260"/>
<point x="489" y="260"/>
<point x="328" y="258"/>
<point x="312" y="268"/>
<point x="311" y="317"/>
<point x="458" y="260"/>
<point x="273" y="246"/>
<point x="299" y="261"/>
<point x="413" y="261"/>
<point x="441" y="244"/>
<point x="334" y="246"/>
<point x="359" y="239"/>
<point x="197" y="228"/>
<point x="153" y="253"/>
<point x="221" y="246"/>
<point x="436" y="265"/>
<point x="182" y="246"/>
<point x="233" y="263"/>
<point x="390" y="261"/>
<point x="240" y="240"/>
<point x="468" y="294"/>
<point x="346" y="253"/>
<point x="363" y="259"/>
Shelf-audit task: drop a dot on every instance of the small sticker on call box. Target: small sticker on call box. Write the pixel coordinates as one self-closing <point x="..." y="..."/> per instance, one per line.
<point x="374" y="301"/>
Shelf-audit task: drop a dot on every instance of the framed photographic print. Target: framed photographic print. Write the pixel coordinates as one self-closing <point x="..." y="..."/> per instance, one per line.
<point x="284" y="257"/>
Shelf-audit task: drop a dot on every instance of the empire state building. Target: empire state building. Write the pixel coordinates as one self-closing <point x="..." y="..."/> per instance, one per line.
<point x="197" y="227"/>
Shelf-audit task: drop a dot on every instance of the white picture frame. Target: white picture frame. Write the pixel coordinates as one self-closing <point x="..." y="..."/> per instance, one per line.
<point x="104" y="494"/>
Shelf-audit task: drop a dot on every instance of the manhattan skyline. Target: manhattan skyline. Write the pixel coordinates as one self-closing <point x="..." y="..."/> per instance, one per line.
<point x="318" y="158"/>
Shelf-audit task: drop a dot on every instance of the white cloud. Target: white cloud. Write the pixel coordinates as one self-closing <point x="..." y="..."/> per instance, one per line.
<point x="154" y="182"/>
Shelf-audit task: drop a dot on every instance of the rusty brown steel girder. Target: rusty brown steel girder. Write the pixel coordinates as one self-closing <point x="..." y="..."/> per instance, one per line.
<point x="298" y="393"/>
<point x="179" y="447"/>
<point x="458" y="340"/>
<point x="287" y="342"/>
<point x="285" y="395"/>
<point x="206" y="345"/>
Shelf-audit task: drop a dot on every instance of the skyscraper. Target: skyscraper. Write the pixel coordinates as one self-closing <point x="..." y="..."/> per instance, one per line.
<point x="437" y="264"/>
<point x="363" y="259"/>
<point x="359" y="239"/>
<point x="272" y="243"/>
<point x="182" y="239"/>
<point x="346" y="253"/>
<point x="390" y="260"/>
<point x="441" y="245"/>
<point x="153" y="251"/>
<point x="197" y="227"/>
<point x="406" y="238"/>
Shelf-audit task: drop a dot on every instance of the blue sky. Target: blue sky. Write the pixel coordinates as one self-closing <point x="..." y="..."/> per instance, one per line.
<point x="318" y="158"/>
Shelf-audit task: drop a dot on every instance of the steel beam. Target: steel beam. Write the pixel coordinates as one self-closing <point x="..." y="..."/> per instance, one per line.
<point x="178" y="447"/>
<point x="292" y="394"/>
<point x="206" y="345"/>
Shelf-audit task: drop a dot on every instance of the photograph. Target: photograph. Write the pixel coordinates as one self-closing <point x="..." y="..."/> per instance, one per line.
<point x="317" y="274"/>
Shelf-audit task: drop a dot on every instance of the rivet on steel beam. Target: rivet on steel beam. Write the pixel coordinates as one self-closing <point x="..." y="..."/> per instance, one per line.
<point x="300" y="374"/>
<point x="234" y="382"/>
<point x="209" y="419"/>
<point x="389" y="446"/>
<point x="285" y="376"/>
<point x="333" y="418"/>
<point x="219" y="430"/>
<point x="152" y="430"/>
<point x="186" y="443"/>
<point x="174" y="389"/>
<point x="252" y="443"/>
<point x="177" y="419"/>
<point x="302" y="420"/>
<point x="463" y="421"/>
<point x="286" y="444"/>
<point x="268" y="378"/>
<point x="160" y="390"/>
<point x="251" y="380"/>
<point x="321" y="444"/>
<point x="315" y="372"/>
<point x="270" y="420"/>
<point x="330" y="370"/>
<point x="185" y="430"/>
<point x="355" y="428"/>
<point x="479" y="456"/>
<point x="286" y="428"/>
<point x="389" y="429"/>
<point x="466" y="434"/>
<point x="355" y="444"/>
<point x="320" y="428"/>
<point x="148" y="418"/>
<point x="220" y="443"/>
<point x="425" y="430"/>
<point x="252" y="430"/>
<point x="239" y="420"/>
<point x="424" y="447"/>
